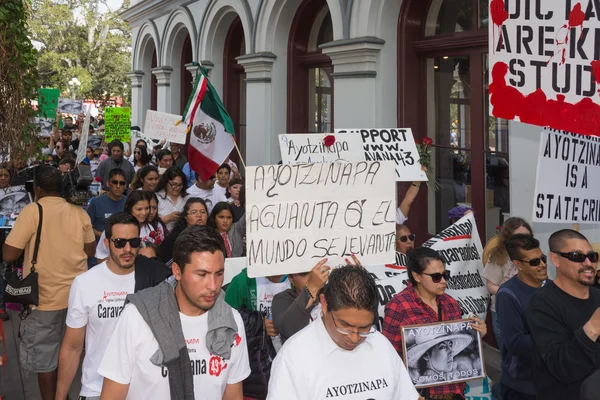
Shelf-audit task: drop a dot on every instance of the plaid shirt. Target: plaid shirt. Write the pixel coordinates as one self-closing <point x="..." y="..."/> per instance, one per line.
<point x="407" y="308"/>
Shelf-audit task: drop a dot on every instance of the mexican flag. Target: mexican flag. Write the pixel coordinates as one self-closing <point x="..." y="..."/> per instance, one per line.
<point x="211" y="133"/>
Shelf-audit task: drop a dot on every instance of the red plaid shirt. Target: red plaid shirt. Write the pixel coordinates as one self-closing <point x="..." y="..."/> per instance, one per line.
<point x="407" y="308"/>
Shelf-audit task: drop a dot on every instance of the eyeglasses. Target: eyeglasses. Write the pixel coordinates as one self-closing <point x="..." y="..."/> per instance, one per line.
<point x="534" y="262"/>
<point x="578" y="257"/>
<point x="175" y="185"/>
<point x="196" y="212"/>
<point x="406" y="238"/>
<point x="137" y="152"/>
<point x="437" y="277"/>
<point x="345" y="332"/>
<point x="121" y="243"/>
<point x="119" y="183"/>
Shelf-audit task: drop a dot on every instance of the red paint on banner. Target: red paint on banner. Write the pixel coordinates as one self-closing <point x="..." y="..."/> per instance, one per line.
<point x="499" y="13"/>
<point x="576" y="17"/>
<point x="535" y="108"/>
<point x="596" y="72"/>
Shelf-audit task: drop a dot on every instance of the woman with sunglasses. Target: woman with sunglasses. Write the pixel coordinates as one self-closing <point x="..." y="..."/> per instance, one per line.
<point x="424" y="301"/>
<point x="141" y="158"/>
<point x="405" y="241"/>
<point x="146" y="179"/>
<point x="172" y="195"/>
<point x="498" y="267"/>
<point x="221" y="219"/>
<point x="194" y="213"/>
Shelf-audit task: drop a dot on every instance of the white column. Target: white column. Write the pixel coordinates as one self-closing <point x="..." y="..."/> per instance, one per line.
<point x="193" y="69"/>
<point x="163" y="88"/>
<point x="260" y="138"/>
<point x="354" y="71"/>
<point x="209" y="65"/>
<point x="137" y="105"/>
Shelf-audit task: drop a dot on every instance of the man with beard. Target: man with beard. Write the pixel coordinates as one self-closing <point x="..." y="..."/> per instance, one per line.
<point x="564" y="319"/>
<point x="96" y="301"/>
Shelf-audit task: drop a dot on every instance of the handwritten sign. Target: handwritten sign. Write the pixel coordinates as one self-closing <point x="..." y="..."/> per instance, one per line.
<point x="298" y="214"/>
<point x="161" y="126"/>
<point x="117" y="124"/>
<point x="568" y="172"/>
<point x="395" y="144"/>
<point x="311" y="148"/>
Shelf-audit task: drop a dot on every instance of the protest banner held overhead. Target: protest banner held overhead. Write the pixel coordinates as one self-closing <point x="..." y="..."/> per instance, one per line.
<point x="163" y="126"/>
<point x="70" y="106"/>
<point x="299" y="214"/>
<point x="545" y="63"/>
<point x="83" y="142"/>
<point x="395" y="144"/>
<point x="320" y="147"/>
<point x="48" y="102"/>
<point x="117" y="124"/>
<point x="568" y="172"/>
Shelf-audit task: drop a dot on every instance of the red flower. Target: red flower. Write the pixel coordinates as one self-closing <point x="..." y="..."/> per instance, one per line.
<point x="427" y="141"/>
<point x="98" y="179"/>
<point x="153" y="234"/>
<point x="157" y="241"/>
<point x="329" y="140"/>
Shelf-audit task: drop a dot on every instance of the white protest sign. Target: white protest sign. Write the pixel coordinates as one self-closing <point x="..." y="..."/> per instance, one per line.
<point x="568" y="172"/>
<point x="395" y="144"/>
<point x="299" y="214"/>
<point x="84" y="138"/>
<point x="311" y="148"/>
<point x="160" y="125"/>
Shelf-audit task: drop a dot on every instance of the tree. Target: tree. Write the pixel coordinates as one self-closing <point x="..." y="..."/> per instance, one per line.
<point x="77" y="40"/>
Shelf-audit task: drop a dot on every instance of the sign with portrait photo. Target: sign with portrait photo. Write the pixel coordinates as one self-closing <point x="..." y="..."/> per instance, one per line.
<point x="70" y="106"/>
<point x="442" y="353"/>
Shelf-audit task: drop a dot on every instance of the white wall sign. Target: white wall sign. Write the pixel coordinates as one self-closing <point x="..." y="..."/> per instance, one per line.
<point x="311" y="148"/>
<point x="299" y="214"/>
<point x="568" y="172"/>
<point x="395" y="144"/>
<point x="161" y="126"/>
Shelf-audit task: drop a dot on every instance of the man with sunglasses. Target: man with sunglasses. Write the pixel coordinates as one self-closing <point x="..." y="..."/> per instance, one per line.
<point x="113" y="201"/>
<point x="204" y="190"/>
<point x="564" y="319"/>
<point x="512" y="300"/>
<point x="341" y="355"/>
<point x="96" y="300"/>
<point x="405" y="240"/>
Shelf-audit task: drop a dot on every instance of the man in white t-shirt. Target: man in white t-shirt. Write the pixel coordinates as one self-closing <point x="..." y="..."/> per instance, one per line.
<point x="203" y="190"/>
<point x="180" y="339"/>
<point x="341" y="355"/>
<point x="95" y="302"/>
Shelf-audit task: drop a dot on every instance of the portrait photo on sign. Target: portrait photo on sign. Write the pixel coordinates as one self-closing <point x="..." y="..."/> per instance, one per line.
<point x="13" y="200"/>
<point x="442" y="353"/>
<point x="69" y="106"/>
<point x="46" y="126"/>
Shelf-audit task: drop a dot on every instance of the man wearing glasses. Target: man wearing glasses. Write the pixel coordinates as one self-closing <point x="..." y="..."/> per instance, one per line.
<point x="111" y="202"/>
<point x="341" y="355"/>
<point x="512" y="300"/>
<point x="405" y="240"/>
<point x="564" y="319"/>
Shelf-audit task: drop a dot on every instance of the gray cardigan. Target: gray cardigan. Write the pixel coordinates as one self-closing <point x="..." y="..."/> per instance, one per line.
<point x="290" y="314"/>
<point x="236" y="237"/>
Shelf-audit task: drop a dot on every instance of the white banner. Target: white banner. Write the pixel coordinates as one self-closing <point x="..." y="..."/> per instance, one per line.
<point x="395" y="144"/>
<point x="568" y="172"/>
<point x="298" y="214"/>
<point x="83" y="141"/>
<point x="311" y="148"/>
<point x="160" y="125"/>
<point x="70" y="106"/>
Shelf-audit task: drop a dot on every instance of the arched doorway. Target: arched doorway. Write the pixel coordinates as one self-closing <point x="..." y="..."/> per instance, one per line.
<point x="186" y="83"/>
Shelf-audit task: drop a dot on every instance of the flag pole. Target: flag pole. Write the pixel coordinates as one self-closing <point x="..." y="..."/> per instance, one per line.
<point x="239" y="153"/>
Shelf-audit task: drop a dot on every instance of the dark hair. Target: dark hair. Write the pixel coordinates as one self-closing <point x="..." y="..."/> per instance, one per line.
<point x="142" y="141"/>
<point x="557" y="239"/>
<point x="220" y="206"/>
<point x="234" y="181"/>
<point x="115" y="172"/>
<point x="67" y="160"/>
<point x="196" y="239"/>
<point x="150" y="245"/>
<point x="498" y="254"/>
<point x="418" y="259"/>
<point x="134" y="197"/>
<point x="226" y="166"/>
<point x="181" y="223"/>
<point x="144" y="156"/>
<point x="64" y="143"/>
<point x="172" y="173"/>
<point x="68" y="132"/>
<point x="90" y="148"/>
<point x="351" y="287"/>
<point x="48" y="179"/>
<point x="519" y="242"/>
<point x="141" y="175"/>
<point x="114" y="143"/>
<point x="154" y="223"/>
<point x="162" y="153"/>
<point x="120" y="218"/>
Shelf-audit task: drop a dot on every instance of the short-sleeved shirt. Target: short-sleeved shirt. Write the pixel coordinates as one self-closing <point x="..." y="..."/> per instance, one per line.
<point x="102" y="207"/>
<point x="167" y="206"/>
<point x="61" y="257"/>
<point x="400" y="217"/>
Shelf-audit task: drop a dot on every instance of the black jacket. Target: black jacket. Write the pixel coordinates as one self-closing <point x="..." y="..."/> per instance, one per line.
<point x="149" y="273"/>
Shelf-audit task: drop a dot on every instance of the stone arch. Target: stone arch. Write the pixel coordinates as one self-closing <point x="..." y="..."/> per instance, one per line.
<point x="180" y="23"/>
<point x="148" y="31"/>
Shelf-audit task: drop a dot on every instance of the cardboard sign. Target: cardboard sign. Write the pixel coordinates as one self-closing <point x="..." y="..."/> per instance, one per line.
<point x="117" y="124"/>
<point x="397" y="145"/>
<point x="299" y="214"/>
<point x="310" y="148"/>
<point x="70" y="106"/>
<point x="568" y="172"/>
<point x="161" y="126"/>
<point x="544" y="63"/>
<point x="48" y="102"/>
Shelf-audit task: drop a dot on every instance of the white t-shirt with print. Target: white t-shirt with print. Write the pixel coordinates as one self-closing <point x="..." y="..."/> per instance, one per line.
<point x="96" y="301"/>
<point x="204" y="194"/>
<point x="127" y="358"/>
<point x="218" y="194"/>
<point x="310" y="366"/>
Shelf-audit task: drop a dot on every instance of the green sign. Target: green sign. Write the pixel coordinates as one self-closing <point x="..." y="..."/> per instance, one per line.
<point x="48" y="102"/>
<point x="117" y="124"/>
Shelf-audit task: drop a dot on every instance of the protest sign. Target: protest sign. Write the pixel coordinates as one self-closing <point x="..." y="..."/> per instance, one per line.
<point x="299" y="214"/>
<point x="161" y="126"/>
<point x="48" y="102"/>
<point x="396" y="144"/>
<point x="117" y="124"/>
<point x="568" y="172"/>
<point x="545" y="63"/>
<point x="312" y="148"/>
<point x="70" y="106"/>
<point x="46" y="126"/>
<point x="83" y="141"/>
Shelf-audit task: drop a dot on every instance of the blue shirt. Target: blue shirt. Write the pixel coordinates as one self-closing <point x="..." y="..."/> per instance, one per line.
<point x="101" y="208"/>
<point x="189" y="174"/>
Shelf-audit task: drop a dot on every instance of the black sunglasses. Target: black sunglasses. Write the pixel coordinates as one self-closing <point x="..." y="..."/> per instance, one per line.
<point x="119" y="183"/>
<point x="406" y="238"/>
<point x="437" y="277"/>
<point x="534" y="262"/>
<point x="579" y="257"/>
<point x="133" y="242"/>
